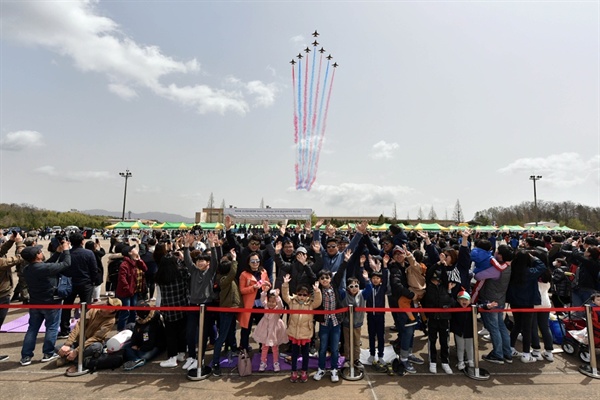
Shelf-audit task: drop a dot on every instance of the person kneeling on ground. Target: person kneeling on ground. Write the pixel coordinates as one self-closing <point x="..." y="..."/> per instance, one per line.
<point x="148" y="338"/>
<point x="98" y="324"/>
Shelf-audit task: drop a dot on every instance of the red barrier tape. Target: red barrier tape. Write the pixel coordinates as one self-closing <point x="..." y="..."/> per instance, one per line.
<point x="268" y="311"/>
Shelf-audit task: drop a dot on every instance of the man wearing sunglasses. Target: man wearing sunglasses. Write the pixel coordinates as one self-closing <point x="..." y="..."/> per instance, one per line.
<point x="332" y="257"/>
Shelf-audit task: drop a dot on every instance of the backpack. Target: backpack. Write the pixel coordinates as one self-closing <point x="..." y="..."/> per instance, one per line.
<point x="64" y="287"/>
<point x="113" y="270"/>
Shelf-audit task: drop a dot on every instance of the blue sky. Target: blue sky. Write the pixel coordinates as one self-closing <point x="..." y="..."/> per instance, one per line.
<point x="432" y="102"/>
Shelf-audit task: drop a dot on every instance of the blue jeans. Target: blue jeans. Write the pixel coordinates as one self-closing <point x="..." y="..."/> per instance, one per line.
<point x="329" y="336"/>
<point x="52" y="322"/>
<point x="494" y="323"/>
<point x="406" y="335"/>
<point x="226" y="334"/>
<point x="4" y="311"/>
<point x="130" y="354"/>
<point x="126" y="316"/>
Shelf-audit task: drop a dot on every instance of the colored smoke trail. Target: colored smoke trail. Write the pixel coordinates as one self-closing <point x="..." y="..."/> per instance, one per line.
<point x="310" y="145"/>
<point x="295" y="119"/>
<point x="316" y="166"/>
<point x="299" y="144"/>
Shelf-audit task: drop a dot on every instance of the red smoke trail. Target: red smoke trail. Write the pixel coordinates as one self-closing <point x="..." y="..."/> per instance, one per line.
<point x="322" y="131"/>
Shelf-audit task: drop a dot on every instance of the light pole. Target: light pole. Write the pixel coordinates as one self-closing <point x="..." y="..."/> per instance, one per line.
<point x="535" y="178"/>
<point x="125" y="175"/>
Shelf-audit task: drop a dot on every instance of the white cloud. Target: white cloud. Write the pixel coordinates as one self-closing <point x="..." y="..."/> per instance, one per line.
<point x="384" y="151"/>
<point x="76" y="29"/>
<point x="123" y="91"/>
<point x="562" y="170"/>
<point x="147" y="189"/>
<point x="20" y="140"/>
<point x="355" y="196"/>
<point x="74" y="176"/>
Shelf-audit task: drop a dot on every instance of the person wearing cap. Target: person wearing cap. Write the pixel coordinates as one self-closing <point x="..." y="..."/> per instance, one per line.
<point x="42" y="280"/>
<point x="130" y="283"/>
<point x="6" y="264"/>
<point x="301" y="270"/>
<point x="98" y="324"/>
<point x="83" y="272"/>
<point x="332" y="257"/>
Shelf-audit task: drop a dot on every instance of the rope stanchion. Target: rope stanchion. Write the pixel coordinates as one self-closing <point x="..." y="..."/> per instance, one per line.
<point x="200" y="372"/>
<point x="475" y="372"/>
<point x="590" y="369"/>
<point x="80" y="371"/>
<point x="352" y="373"/>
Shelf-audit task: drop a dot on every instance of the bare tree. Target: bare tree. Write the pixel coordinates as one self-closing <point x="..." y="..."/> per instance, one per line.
<point x="432" y="214"/>
<point x="262" y="203"/>
<point x="211" y="201"/>
<point x="457" y="215"/>
<point x="420" y="214"/>
<point x="394" y="213"/>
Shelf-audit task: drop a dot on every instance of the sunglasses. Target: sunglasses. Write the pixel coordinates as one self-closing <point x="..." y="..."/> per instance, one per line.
<point x="302" y="295"/>
<point x="324" y="278"/>
<point x="352" y="286"/>
<point x="254" y="261"/>
<point x="253" y="243"/>
<point x="332" y="246"/>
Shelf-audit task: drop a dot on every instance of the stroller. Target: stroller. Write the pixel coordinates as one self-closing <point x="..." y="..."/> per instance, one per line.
<point x="575" y="334"/>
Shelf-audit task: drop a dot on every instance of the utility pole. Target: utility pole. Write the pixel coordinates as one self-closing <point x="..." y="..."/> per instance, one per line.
<point x="125" y="175"/>
<point x="535" y="178"/>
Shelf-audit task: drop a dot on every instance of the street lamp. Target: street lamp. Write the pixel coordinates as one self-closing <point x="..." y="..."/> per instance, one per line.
<point x="535" y="178"/>
<point x="125" y="175"/>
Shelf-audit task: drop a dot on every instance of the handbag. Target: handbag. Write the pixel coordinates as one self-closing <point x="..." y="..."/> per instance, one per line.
<point x="244" y="363"/>
<point x="64" y="287"/>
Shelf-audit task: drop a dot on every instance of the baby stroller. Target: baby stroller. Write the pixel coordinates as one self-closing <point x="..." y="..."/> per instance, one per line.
<point x="575" y="335"/>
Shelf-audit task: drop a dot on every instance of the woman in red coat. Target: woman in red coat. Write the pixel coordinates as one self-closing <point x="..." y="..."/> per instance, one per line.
<point x="131" y="278"/>
<point x="252" y="281"/>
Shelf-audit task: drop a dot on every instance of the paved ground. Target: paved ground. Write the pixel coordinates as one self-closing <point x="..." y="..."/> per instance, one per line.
<point x="559" y="379"/>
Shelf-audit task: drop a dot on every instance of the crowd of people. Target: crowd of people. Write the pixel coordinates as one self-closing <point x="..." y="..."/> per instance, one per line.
<point x="304" y="268"/>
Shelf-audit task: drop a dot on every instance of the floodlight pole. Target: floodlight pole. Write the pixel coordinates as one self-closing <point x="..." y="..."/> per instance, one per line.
<point x="535" y="178"/>
<point x="125" y="175"/>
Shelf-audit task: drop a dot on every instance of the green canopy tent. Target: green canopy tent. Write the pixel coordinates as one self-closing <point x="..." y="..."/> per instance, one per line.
<point x="128" y="225"/>
<point x="176" y="226"/>
<point x="428" y="227"/>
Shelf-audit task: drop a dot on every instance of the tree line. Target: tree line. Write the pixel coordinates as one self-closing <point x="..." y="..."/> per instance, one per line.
<point x="29" y="217"/>
<point x="573" y="215"/>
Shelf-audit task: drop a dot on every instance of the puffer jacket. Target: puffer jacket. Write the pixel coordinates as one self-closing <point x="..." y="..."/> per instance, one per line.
<point x="300" y="326"/>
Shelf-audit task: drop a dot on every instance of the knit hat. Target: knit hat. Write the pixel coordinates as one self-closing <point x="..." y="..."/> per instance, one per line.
<point x="464" y="295"/>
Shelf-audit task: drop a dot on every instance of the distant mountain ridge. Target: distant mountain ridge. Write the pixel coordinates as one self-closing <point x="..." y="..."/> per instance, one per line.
<point x="153" y="215"/>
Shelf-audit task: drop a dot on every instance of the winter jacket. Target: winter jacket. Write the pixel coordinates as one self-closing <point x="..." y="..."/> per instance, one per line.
<point x="437" y="295"/>
<point x="150" y="334"/>
<point x="300" y="274"/>
<point x="6" y="264"/>
<point x="201" y="282"/>
<point x="42" y="279"/>
<point x="249" y="294"/>
<point x="97" y="327"/>
<point x="300" y="326"/>
<point x="127" y="283"/>
<point x="527" y="293"/>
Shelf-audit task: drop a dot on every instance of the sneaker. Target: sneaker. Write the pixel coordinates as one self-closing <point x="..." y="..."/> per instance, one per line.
<point x="276" y="367"/>
<point x="528" y="358"/>
<point x="312" y="350"/>
<point x="411" y="323"/>
<point x="263" y="366"/>
<point x="415" y="360"/>
<point x="358" y="364"/>
<point x="193" y="365"/>
<point x="49" y="357"/>
<point x="216" y="370"/>
<point x="471" y="364"/>
<point x="334" y="376"/>
<point x="133" y="364"/>
<point x="447" y="369"/>
<point x="547" y="354"/>
<point x="187" y="363"/>
<point x="460" y="366"/>
<point x="379" y="366"/>
<point x="170" y="363"/>
<point x="319" y="375"/>
<point x="408" y="367"/>
<point x="62" y="335"/>
<point x="389" y="369"/>
<point x="537" y="355"/>
<point x="483" y="332"/>
<point x="294" y="377"/>
<point x="508" y="360"/>
<point x="492" y="358"/>
<point x="433" y="368"/>
<point x="25" y="360"/>
<point x="180" y="357"/>
<point x="371" y="360"/>
<point x="303" y="376"/>
<point x="4" y="358"/>
<point x="515" y="353"/>
<point x="487" y="338"/>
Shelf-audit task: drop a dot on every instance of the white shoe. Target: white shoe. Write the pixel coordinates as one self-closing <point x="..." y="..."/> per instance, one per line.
<point x="471" y="364"/>
<point x="528" y="358"/>
<point x="180" y="357"/>
<point x="515" y="353"/>
<point x="193" y="365"/>
<point x="334" y="375"/>
<point x="189" y="361"/>
<point x="263" y="366"/>
<point x="537" y="355"/>
<point x="483" y="332"/>
<point x="487" y="337"/>
<point x="276" y="367"/>
<point x="461" y="365"/>
<point x="433" y="368"/>
<point x="447" y="369"/>
<point x="170" y="363"/>
<point x="548" y="355"/>
<point x="371" y="360"/>
<point x="319" y="375"/>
